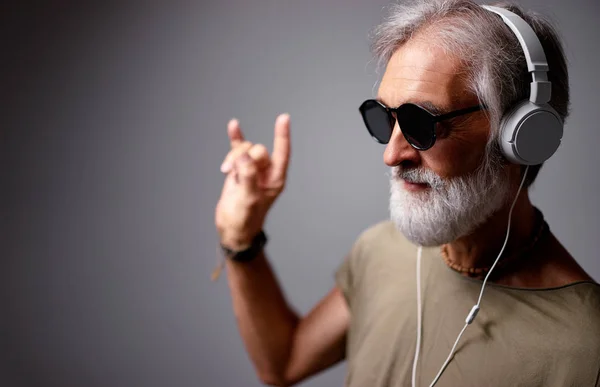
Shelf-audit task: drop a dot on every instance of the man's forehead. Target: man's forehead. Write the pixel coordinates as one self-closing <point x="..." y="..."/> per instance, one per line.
<point x="424" y="53"/>
<point x="419" y="70"/>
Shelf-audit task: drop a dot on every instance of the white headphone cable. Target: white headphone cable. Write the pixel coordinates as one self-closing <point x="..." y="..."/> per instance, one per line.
<point x="473" y="313"/>
<point x="419" y="317"/>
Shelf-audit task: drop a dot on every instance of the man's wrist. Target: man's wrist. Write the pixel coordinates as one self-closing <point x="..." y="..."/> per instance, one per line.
<point x="237" y="241"/>
<point x="240" y="250"/>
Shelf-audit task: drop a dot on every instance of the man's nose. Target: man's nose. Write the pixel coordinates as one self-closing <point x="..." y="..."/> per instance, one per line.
<point x="399" y="151"/>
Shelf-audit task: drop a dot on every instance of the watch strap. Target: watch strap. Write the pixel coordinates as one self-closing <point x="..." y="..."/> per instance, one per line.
<point x="248" y="254"/>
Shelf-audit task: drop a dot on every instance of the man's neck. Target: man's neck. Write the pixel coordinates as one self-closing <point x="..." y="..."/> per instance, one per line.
<point x="481" y="248"/>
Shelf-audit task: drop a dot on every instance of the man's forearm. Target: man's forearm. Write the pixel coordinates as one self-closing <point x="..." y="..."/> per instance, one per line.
<point x="265" y="320"/>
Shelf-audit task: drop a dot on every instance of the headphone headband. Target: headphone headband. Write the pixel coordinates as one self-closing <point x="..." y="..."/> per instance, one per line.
<point x="541" y="89"/>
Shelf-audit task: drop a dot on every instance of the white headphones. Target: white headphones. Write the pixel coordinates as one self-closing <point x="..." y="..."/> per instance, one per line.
<point x="531" y="132"/>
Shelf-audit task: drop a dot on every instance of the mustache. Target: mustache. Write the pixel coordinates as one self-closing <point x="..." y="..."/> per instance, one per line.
<point x="418" y="176"/>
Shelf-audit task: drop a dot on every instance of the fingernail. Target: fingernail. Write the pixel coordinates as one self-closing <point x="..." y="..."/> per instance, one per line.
<point x="232" y="124"/>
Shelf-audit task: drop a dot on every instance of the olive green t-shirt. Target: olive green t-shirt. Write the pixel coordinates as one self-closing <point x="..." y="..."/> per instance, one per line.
<point x="521" y="337"/>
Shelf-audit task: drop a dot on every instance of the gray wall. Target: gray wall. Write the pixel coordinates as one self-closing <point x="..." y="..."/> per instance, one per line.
<point x="113" y="129"/>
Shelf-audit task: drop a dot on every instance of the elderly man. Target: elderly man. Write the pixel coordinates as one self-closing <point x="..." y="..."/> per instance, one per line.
<point x="452" y="108"/>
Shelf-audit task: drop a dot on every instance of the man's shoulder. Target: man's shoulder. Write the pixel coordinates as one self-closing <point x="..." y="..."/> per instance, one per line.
<point x="577" y="309"/>
<point x="582" y="310"/>
<point x="380" y="242"/>
<point x="589" y="295"/>
<point x="381" y="235"/>
<point x="376" y="261"/>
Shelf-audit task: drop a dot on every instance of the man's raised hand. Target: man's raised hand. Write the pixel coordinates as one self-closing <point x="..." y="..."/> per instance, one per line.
<point x="254" y="181"/>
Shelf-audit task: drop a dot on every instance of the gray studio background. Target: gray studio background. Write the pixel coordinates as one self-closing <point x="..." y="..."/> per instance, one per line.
<point x="113" y="123"/>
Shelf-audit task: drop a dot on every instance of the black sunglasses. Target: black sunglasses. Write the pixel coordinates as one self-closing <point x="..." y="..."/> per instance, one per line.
<point x="416" y="123"/>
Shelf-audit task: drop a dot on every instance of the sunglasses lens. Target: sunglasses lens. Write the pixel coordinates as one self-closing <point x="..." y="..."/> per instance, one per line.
<point x="417" y="126"/>
<point x="378" y="121"/>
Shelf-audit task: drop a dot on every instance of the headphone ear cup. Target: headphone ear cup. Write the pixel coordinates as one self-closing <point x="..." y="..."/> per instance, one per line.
<point x="530" y="134"/>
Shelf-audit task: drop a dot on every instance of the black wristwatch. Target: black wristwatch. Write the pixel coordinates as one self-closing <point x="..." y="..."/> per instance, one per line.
<point x="247" y="255"/>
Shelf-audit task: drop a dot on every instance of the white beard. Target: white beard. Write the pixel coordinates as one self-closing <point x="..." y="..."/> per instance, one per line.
<point x="448" y="209"/>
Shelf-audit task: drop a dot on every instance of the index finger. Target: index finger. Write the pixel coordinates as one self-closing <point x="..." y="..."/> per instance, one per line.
<point x="234" y="132"/>
<point x="281" y="148"/>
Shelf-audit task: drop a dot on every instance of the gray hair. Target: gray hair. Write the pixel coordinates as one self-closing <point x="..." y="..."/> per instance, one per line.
<point x="496" y="68"/>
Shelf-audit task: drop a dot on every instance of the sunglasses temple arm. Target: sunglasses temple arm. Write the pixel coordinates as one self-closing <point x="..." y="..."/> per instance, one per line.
<point x="458" y="113"/>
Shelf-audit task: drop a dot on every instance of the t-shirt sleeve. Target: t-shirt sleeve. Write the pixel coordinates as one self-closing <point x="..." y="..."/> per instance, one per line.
<point x="343" y="278"/>
<point x="348" y="273"/>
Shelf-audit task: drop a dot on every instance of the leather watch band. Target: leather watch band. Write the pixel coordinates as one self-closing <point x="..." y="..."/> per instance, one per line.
<point x="249" y="253"/>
